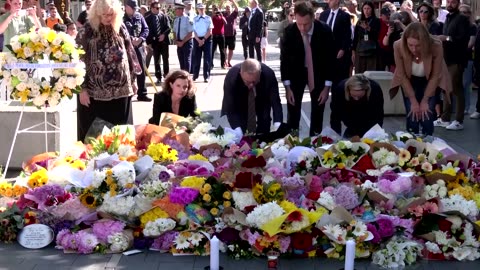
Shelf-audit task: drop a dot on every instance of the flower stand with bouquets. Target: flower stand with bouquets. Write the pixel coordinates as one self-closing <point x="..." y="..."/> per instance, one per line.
<point x="40" y="68"/>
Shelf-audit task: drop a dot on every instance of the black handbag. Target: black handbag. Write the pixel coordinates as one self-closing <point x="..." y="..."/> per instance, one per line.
<point x="366" y="47"/>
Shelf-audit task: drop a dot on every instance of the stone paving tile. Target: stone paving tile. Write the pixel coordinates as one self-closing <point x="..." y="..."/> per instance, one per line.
<point x="174" y="266"/>
<point x="17" y="266"/>
<point x="96" y="260"/>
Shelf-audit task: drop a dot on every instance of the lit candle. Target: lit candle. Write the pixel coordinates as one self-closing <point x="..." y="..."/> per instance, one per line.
<point x="350" y="255"/>
<point x="214" y="253"/>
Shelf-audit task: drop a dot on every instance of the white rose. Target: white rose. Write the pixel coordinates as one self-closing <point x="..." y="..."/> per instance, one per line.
<point x="80" y="71"/>
<point x="57" y="41"/>
<point x="441" y="182"/>
<point x="65" y="57"/>
<point x="8" y="82"/>
<point x="6" y="74"/>
<point x="56" y="74"/>
<point x="48" y="51"/>
<point x="70" y="71"/>
<point x="11" y="59"/>
<point x="79" y="80"/>
<point x="21" y="86"/>
<point x="71" y="83"/>
<point x="34" y="37"/>
<point x="28" y="52"/>
<point x="15" y="72"/>
<point x="432" y="193"/>
<point x="45" y="43"/>
<point x="23" y="76"/>
<point x="39" y="101"/>
<point x="63" y="79"/>
<point x="53" y="101"/>
<point x="35" y="87"/>
<point x="15" y="45"/>
<point x="58" y="55"/>
<point x="435" y="187"/>
<point x="59" y="87"/>
<point x="35" y="92"/>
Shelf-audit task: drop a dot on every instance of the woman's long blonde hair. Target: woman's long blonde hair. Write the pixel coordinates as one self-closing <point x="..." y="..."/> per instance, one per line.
<point x="419" y="32"/>
<point x="99" y="7"/>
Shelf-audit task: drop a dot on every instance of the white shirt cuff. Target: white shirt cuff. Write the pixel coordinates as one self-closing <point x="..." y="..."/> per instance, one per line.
<point x="276" y="125"/>
<point x="328" y="83"/>
<point x="286" y="83"/>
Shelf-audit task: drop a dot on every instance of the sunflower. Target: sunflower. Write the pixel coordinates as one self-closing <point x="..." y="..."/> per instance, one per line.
<point x="89" y="200"/>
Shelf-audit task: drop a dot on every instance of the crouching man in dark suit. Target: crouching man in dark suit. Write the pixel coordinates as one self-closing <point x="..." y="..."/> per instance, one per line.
<point x="250" y="92"/>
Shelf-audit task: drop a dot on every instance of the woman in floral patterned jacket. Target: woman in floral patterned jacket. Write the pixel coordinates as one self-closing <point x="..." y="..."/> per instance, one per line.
<point x="111" y="65"/>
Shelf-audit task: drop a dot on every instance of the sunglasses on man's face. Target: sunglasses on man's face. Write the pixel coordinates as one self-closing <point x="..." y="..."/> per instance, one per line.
<point x="155" y="7"/>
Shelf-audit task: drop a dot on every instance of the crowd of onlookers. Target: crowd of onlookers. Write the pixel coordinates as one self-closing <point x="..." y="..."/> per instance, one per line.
<point x="429" y="49"/>
<point x="369" y="45"/>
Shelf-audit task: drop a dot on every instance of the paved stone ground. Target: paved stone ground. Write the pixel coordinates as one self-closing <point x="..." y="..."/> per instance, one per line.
<point x="209" y="97"/>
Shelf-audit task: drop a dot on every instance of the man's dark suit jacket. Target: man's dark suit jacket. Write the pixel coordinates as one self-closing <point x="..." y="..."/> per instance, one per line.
<point x="162" y="102"/>
<point x="235" y="99"/>
<point x="165" y="27"/>
<point x="292" y="58"/>
<point x="256" y="24"/>
<point x="342" y="30"/>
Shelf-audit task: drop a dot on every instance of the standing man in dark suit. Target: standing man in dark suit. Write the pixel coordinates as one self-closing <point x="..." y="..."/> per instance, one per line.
<point x="339" y="21"/>
<point x="305" y="60"/>
<point x="250" y="92"/>
<point x="255" y="30"/>
<point x="159" y="26"/>
<point x="244" y="27"/>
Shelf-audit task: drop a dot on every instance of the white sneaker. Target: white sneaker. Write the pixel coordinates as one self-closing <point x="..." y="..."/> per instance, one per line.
<point x="440" y="123"/>
<point x="455" y="125"/>
<point x="475" y="115"/>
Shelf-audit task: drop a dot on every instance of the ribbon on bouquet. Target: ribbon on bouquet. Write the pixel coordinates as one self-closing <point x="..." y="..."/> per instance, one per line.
<point x="40" y="65"/>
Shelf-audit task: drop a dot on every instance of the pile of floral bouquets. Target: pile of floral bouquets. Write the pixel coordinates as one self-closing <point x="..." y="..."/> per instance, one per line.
<point x="399" y="198"/>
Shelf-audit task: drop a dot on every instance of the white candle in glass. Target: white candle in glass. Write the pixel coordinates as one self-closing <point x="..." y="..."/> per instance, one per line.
<point x="350" y="255"/>
<point x="214" y="253"/>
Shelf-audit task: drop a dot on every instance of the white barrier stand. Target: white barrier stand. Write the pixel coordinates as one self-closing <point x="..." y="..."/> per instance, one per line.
<point x="30" y="130"/>
<point x="42" y="69"/>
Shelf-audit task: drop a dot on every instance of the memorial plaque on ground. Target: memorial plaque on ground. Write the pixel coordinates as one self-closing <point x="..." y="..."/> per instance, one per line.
<point x="35" y="236"/>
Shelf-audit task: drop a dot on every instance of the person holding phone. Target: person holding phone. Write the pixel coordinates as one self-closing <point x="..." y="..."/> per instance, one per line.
<point x="17" y="21"/>
<point x="365" y="40"/>
<point x="218" y="39"/>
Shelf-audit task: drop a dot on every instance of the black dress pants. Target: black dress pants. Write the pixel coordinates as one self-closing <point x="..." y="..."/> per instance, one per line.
<point x="253" y="47"/>
<point x="160" y="49"/>
<point x="115" y="111"/>
<point x="219" y="40"/>
<point x="294" y="111"/>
